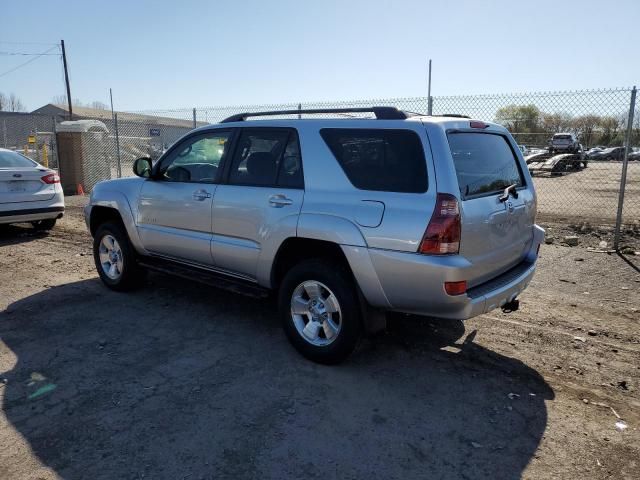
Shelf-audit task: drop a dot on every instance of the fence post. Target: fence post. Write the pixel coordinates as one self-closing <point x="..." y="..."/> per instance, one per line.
<point x="299" y="109"/>
<point x="194" y="118"/>
<point x="54" y="147"/>
<point x="115" y="120"/>
<point x="625" y="162"/>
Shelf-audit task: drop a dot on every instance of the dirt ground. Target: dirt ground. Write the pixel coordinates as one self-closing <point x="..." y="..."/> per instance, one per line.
<point x="178" y="380"/>
<point x="591" y="195"/>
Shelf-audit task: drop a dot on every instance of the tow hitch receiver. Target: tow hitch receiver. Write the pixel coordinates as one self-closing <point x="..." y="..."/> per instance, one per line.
<point x="511" y="306"/>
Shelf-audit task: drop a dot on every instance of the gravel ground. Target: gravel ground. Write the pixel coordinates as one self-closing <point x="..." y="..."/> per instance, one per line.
<point x="590" y="195"/>
<point x="178" y="380"/>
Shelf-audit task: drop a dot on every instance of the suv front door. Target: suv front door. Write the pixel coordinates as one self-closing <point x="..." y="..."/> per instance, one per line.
<point x="174" y="209"/>
<point x="257" y="207"/>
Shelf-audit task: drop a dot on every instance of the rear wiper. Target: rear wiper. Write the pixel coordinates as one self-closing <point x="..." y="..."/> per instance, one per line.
<point x="510" y="190"/>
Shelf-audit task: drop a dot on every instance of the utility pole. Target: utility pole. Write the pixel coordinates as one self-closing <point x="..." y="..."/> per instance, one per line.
<point x="114" y="119"/>
<point x="429" y="102"/>
<point x="66" y="79"/>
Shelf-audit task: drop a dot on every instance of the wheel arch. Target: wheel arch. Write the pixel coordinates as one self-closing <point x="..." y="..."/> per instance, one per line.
<point x="115" y="208"/>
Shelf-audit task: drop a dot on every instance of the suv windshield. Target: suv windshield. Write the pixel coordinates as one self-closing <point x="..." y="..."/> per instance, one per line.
<point x="484" y="163"/>
<point x="10" y="159"/>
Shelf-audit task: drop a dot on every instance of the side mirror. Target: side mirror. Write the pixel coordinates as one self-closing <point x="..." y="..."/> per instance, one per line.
<point x="142" y="167"/>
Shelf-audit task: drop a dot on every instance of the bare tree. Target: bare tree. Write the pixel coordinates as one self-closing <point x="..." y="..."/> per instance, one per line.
<point x="62" y="100"/>
<point x="15" y="104"/>
<point x="556" y="122"/>
<point x="99" y="105"/>
<point x="3" y="102"/>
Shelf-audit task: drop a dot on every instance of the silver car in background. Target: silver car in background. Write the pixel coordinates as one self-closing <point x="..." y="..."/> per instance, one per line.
<point x="343" y="218"/>
<point x="29" y="192"/>
<point x="564" y="143"/>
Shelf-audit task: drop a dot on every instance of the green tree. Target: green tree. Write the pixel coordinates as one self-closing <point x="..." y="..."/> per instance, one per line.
<point x="519" y="118"/>
<point x="585" y="127"/>
<point x="611" y="132"/>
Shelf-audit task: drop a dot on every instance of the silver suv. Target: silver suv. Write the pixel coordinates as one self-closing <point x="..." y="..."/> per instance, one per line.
<point x="344" y="219"/>
<point x="564" y="142"/>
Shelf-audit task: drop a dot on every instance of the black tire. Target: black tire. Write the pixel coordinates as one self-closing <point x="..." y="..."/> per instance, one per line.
<point x="132" y="275"/>
<point x="44" y="225"/>
<point x="340" y="282"/>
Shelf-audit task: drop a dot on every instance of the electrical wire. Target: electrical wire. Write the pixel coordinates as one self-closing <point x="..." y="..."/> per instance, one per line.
<point x="26" y="43"/>
<point x="27" y="54"/>
<point x="27" y="62"/>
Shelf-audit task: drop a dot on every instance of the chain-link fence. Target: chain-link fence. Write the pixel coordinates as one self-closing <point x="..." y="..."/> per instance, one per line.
<point x="581" y="188"/>
<point x="32" y="135"/>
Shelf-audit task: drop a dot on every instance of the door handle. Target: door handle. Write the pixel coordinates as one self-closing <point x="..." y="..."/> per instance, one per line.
<point x="201" y="195"/>
<point x="279" y="201"/>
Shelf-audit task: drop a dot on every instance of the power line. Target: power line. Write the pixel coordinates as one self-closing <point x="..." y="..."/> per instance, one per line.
<point x="27" y="54"/>
<point x="27" y="62"/>
<point x="27" y="43"/>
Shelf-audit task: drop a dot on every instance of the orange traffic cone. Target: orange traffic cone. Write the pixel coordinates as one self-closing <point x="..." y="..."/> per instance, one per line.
<point x="80" y="189"/>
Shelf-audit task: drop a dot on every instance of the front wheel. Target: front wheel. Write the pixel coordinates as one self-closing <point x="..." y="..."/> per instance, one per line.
<point x="115" y="258"/>
<point x="320" y="312"/>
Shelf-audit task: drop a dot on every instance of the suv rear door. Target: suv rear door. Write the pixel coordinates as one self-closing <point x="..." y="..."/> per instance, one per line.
<point x="496" y="232"/>
<point x="257" y="205"/>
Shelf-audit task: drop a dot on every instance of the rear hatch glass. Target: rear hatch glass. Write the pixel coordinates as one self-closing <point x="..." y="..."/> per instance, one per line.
<point x="484" y="163"/>
<point x="495" y="235"/>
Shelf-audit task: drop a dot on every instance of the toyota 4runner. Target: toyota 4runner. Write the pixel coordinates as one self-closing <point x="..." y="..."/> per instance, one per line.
<point x="343" y="218"/>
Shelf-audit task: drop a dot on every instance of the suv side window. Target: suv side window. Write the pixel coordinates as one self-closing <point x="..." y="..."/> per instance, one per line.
<point x="387" y="160"/>
<point x="267" y="157"/>
<point x="197" y="159"/>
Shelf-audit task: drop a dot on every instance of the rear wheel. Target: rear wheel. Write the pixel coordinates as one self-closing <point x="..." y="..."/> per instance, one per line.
<point x="44" y="225"/>
<point x="115" y="258"/>
<point x="320" y="312"/>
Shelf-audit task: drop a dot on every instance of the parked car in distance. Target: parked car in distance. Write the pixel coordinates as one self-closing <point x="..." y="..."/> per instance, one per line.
<point x="524" y="150"/>
<point x="343" y="218"/>
<point x="634" y="155"/>
<point x="612" y="153"/>
<point x="564" y="143"/>
<point x="593" y="152"/>
<point x="535" y="151"/>
<point x="29" y="192"/>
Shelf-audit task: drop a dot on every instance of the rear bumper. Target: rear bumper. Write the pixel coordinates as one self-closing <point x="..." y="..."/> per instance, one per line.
<point x="413" y="283"/>
<point x="31" y="214"/>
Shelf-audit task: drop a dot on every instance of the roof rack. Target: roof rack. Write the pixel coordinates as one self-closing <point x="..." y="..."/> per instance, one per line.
<point x="381" y="113"/>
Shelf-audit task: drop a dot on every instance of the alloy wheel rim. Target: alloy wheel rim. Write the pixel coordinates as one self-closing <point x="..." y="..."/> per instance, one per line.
<point x="110" y="255"/>
<point x="316" y="313"/>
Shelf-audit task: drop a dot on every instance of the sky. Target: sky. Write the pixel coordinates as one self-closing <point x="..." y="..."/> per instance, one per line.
<point x="172" y="54"/>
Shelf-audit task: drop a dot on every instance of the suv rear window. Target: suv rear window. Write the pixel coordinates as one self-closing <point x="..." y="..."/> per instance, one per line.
<point x="484" y="163"/>
<point x="378" y="159"/>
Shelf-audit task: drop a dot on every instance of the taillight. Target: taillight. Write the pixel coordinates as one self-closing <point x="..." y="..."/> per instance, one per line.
<point x="51" y="178"/>
<point x="442" y="236"/>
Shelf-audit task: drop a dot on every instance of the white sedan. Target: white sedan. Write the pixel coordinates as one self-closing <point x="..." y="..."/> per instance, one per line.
<point x="29" y="192"/>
